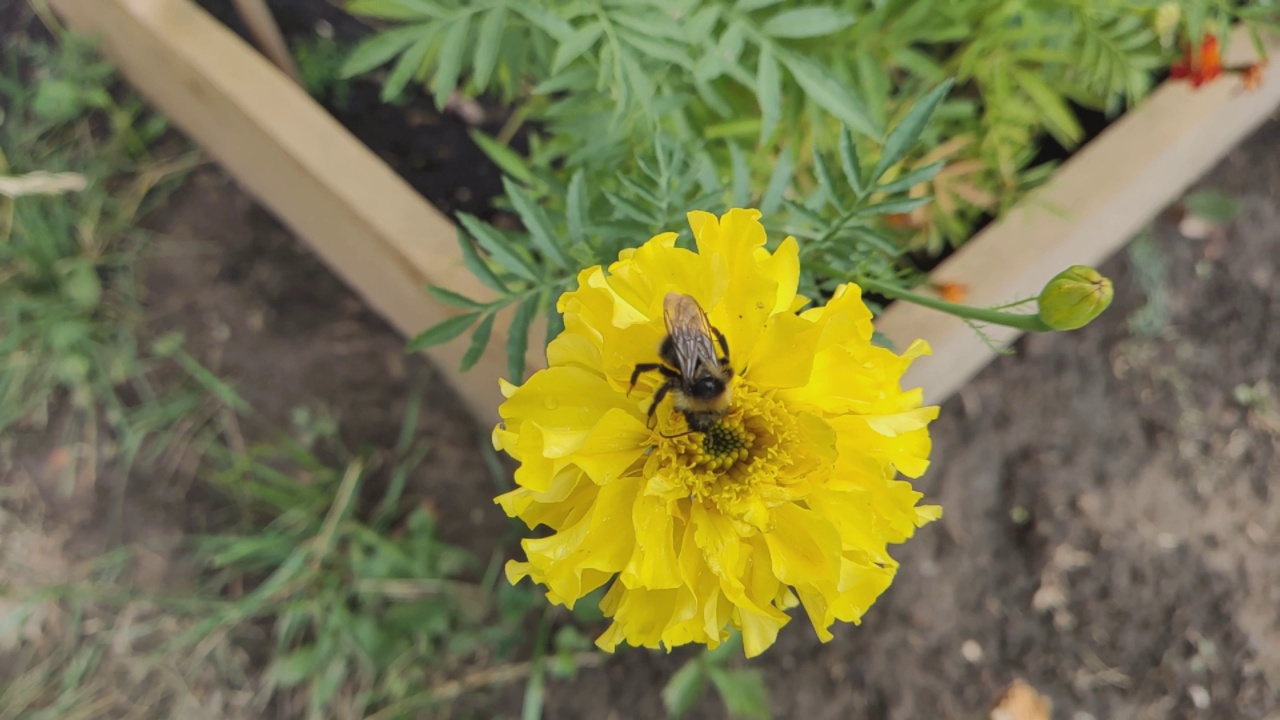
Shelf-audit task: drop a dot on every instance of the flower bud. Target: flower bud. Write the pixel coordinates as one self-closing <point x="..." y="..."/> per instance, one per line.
<point x="1074" y="297"/>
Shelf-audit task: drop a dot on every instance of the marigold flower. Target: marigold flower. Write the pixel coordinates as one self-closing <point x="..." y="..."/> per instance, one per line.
<point x="1200" y="65"/>
<point x="790" y="498"/>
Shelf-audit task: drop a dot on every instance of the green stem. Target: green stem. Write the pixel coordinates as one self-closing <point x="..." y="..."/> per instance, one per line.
<point x="1017" y="321"/>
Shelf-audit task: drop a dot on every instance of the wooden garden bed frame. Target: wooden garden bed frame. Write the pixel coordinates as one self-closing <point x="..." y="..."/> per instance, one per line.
<point x="387" y="242"/>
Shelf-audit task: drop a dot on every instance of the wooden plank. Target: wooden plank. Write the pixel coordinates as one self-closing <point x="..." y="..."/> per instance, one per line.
<point x="1088" y="210"/>
<point x="371" y="227"/>
<point x="387" y="242"/>
<point x="262" y="25"/>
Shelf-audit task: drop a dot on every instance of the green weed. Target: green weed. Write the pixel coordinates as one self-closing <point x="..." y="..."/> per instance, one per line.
<point x="68" y="310"/>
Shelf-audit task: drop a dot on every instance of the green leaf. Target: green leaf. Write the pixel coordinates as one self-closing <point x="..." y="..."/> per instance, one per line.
<point x="496" y="245"/>
<point x="822" y="174"/>
<point x="729" y="46"/>
<point x="442" y="332"/>
<point x="572" y="47"/>
<point x="488" y="46"/>
<point x="893" y="207"/>
<point x="829" y="94"/>
<point x="405" y="69"/>
<point x="637" y="79"/>
<point x="1058" y="118"/>
<point x="576" y="208"/>
<point x="905" y="134"/>
<point x="768" y="93"/>
<point x="453" y="299"/>
<point x="629" y="209"/>
<point x="1211" y="205"/>
<point x="684" y="688"/>
<point x="654" y="24"/>
<point x="555" y="321"/>
<point x="545" y="20"/>
<point x="534" y="693"/>
<point x="58" y="101"/>
<point x="392" y="9"/>
<point x="743" y="693"/>
<point x="518" y="338"/>
<point x="378" y="49"/>
<point x="849" y="162"/>
<point x="779" y="181"/>
<point x="749" y="5"/>
<point x="804" y="212"/>
<point x="537" y="224"/>
<point x="296" y="667"/>
<point x="449" y="65"/>
<point x="478" y="266"/>
<point x="658" y="49"/>
<point x="508" y="160"/>
<point x="908" y="180"/>
<point x="807" y="22"/>
<point x="479" y="341"/>
<point x="579" y="79"/>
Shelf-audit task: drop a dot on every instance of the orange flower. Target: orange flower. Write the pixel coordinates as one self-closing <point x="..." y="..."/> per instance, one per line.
<point x="1199" y="66"/>
<point x="952" y="292"/>
<point x="900" y="221"/>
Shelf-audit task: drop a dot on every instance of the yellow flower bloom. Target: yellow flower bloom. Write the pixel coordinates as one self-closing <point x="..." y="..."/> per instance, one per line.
<point x="791" y="497"/>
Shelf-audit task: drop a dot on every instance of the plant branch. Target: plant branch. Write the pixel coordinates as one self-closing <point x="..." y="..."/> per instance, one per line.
<point x="1018" y="321"/>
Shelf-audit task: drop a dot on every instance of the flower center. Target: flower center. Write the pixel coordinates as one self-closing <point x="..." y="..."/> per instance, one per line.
<point x="723" y="446"/>
<point x="739" y="465"/>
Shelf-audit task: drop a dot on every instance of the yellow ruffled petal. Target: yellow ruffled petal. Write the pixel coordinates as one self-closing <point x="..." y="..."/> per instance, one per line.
<point x="784" y="356"/>
<point x="800" y="547"/>
<point x="654" y="563"/>
<point x="606" y="450"/>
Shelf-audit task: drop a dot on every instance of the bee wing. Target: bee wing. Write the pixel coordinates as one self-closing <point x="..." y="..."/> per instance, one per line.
<point x="690" y="332"/>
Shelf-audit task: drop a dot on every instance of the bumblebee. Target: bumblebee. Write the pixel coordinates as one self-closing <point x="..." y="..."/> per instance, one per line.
<point x="696" y="378"/>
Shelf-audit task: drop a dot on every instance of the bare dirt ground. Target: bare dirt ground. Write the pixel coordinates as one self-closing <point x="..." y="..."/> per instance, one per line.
<point x="1111" y="522"/>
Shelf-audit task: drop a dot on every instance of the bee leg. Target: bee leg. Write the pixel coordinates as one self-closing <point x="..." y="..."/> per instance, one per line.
<point x="724" y="344"/>
<point x="657" y="399"/>
<point x="650" y="367"/>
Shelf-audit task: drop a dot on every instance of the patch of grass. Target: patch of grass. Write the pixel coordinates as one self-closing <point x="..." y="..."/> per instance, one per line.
<point x="322" y="591"/>
<point x="368" y="609"/>
<point x="68" y="310"/>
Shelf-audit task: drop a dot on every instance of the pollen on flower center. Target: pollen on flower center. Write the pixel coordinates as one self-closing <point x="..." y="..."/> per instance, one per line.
<point x="723" y="445"/>
<point x="735" y="464"/>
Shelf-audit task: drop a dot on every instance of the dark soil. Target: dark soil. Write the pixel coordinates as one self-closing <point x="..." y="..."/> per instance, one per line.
<point x="431" y="150"/>
<point x="267" y="316"/>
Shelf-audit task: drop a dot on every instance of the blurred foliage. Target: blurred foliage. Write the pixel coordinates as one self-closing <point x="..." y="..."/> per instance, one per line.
<point x="68" y="306"/>
<point x="662" y="106"/>
<point x="742" y="690"/>
<point x="366" y="604"/>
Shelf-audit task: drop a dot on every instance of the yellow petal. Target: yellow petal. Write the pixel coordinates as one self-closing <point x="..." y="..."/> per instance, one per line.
<point x="784" y="356"/>
<point x="902" y="423"/>
<point x="653" y="564"/>
<point x="617" y="441"/>
<point x="562" y="398"/>
<point x="803" y="547"/>
<point x="783" y="266"/>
